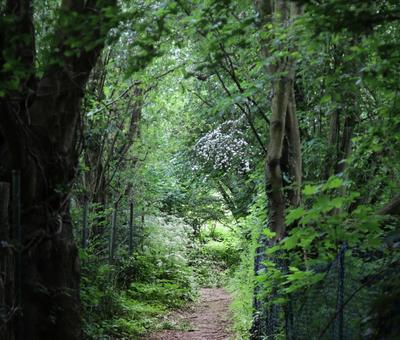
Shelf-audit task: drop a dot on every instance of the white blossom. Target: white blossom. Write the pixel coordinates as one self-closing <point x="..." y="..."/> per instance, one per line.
<point x="224" y="148"/>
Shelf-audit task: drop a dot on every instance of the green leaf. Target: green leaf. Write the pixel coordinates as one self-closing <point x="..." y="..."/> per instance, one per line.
<point x="294" y="215"/>
<point x="310" y="190"/>
<point x="272" y="250"/>
<point x="325" y="99"/>
<point x="267" y="232"/>
<point x="290" y="242"/>
<point x="333" y="182"/>
<point x="337" y="202"/>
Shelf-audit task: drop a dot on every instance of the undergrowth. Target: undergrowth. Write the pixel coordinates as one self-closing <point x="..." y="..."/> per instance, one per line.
<point x="242" y="279"/>
<point x="128" y="308"/>
<point x="133" y="296"/>
<point x="127" y="299"/>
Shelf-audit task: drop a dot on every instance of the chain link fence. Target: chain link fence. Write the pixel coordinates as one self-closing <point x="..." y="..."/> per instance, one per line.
<point x="338" y="307"/>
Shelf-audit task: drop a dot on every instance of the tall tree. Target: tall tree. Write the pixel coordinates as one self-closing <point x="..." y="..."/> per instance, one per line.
<point x="283" y="168"/>
<point x="284" y="154"/>
<point x="39" y="138"/>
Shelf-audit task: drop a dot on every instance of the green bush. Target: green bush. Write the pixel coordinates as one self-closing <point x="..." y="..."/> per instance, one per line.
<point x="167" y="293"/>
<point x="127" y="299"/>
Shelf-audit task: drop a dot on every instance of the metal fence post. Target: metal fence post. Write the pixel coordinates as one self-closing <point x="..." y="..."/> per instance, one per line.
<point x="339" y="327"/>
<point x="17" y="231"/>
<point x="85" y="223"/>
<point x="7" y="263"/>
<point x="16" y="216"/>
<point x="130" y="228"/>
<point x="113" y="235"/>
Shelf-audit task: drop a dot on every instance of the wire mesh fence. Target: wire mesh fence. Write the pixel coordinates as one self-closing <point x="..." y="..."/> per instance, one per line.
<point x="338" y="307"/>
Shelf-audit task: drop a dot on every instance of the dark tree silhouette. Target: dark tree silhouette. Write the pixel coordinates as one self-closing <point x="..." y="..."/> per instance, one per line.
<point x="40" y="119"/>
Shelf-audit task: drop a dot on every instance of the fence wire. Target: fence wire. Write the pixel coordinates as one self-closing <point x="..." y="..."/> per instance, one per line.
<point x="335" y="308"/>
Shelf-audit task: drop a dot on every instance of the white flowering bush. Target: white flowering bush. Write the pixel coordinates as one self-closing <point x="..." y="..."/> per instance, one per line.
<point x="168" y="236"/>
<point x="224" y="148"/>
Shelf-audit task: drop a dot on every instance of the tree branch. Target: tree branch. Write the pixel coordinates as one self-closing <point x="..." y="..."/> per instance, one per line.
<point x="392" y="208"/>
<point x="253" y="128"/>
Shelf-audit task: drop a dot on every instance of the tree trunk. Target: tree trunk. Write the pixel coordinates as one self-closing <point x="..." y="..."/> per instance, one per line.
<point x="100" y="159"/>
<point x="39" y="137"/>
<point x="283" y="156"/>
<point x="333" y="144"/>
<point x="283" y="122"/>
<point x="345" y="143"/>
<point x="9" y="310"/>
<point x="294" y="153"/>
<point x="276" y="199"/>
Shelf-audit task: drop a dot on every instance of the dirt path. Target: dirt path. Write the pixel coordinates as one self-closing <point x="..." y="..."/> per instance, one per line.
<point x="207" y="320"/>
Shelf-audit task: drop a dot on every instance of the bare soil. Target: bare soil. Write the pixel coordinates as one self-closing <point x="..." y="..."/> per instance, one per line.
<point x="209" y="319"/>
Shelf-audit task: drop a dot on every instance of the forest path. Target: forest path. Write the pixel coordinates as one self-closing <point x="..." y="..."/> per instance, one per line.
<point x="209" y="319"/>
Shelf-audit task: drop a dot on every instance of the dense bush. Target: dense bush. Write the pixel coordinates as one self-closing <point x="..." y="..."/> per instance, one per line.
<point x="128" y="298"/>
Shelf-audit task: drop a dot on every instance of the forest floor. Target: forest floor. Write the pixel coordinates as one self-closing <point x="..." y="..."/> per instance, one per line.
<point x="209" y="319"/>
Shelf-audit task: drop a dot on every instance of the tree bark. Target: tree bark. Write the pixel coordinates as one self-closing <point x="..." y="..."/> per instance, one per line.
<point x="39" y="137"/>
<point x="345" y="143"/>
<point x="7" y="283"/>
<point x="295" y="168"/>
<point x="391" y="208"/>
<point x="333" y="144"/>
<point x="274" y="176"/>
<point x="283" y="154"/>
<point x="283" y="122"/>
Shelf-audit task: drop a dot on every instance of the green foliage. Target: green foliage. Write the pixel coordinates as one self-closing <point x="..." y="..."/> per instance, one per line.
<point x="165" y="292"/>
<point x="132" y="312"/>
<point x="128" y="298"/>
<point x="319" y="229"/>
<point x="242" y="281"/>
<point x="197" y="164"/>
<point x="214" y="255"/>
<point x="298" y="279"/>
<point x="241" y="285"/>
